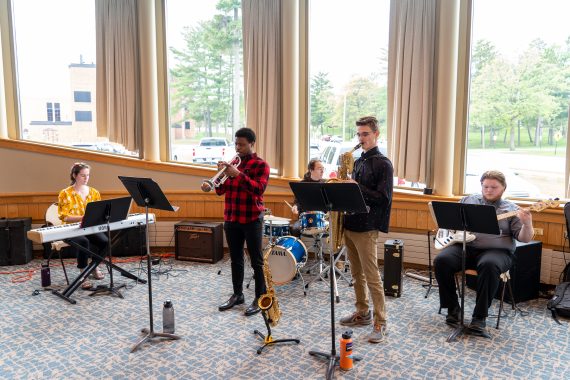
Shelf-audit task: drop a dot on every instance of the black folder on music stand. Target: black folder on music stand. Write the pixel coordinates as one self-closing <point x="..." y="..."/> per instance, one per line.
<point x="464" y="217"/>
<point x="337" y="196"/>
<point x="148" y="194"/>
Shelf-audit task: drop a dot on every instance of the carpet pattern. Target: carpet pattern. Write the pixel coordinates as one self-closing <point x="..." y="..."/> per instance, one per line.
<point x="43" y="336"/>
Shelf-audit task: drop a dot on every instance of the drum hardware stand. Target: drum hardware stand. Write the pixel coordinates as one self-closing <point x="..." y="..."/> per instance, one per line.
<point x="430" y="283"/>
<point x="430" y="280"/>
<point x="145" y="193"/>
<point x="111" y="288"/>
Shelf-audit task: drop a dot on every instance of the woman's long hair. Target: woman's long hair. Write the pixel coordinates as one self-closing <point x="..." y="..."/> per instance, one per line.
<point x="311" y="166"/>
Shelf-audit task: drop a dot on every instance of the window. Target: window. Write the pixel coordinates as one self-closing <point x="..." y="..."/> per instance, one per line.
<point x="518" y="111"/>
<point x="49" y="111"/>
<point x="205" y="76"/>
<point x="83" y="116"/>
<point x="82" y="96"/>
<point x="56" y="70"/>
<point x="348" y="68"/>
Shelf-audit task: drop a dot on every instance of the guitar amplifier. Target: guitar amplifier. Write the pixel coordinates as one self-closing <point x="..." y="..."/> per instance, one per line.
<point x="525" y="273"/>
<point x="199" y="241"/>
<point x="393" y="265"/>
<point x="15" y="247"/>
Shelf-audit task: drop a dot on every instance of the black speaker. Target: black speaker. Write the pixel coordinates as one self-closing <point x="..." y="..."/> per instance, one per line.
<point x="129" y="242"/>
<point x="15" y="247"/>
<point x="199" y="241"/>
<point x="525" y="273"/>
<point x="393" y="265"/>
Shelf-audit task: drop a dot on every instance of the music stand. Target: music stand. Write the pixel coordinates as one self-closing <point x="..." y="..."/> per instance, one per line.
<point x="464" y="217"/>
<point x="325" y="197"/>
<point x="103" y="213"/>
<point x="146" y="193"/>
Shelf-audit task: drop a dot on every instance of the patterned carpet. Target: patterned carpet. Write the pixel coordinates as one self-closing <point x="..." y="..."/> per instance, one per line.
<point x="45" y="337"/>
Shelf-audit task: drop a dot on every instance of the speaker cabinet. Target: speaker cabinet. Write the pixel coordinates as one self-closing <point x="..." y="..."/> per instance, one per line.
<point x="15" y="247"/>
<point x="393" y="265"/>
<point x="525" y="273"/>
<point x="199" y="241"/>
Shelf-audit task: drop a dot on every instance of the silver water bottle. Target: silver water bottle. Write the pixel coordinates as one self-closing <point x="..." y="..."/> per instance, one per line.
<point x="168" y="317"/>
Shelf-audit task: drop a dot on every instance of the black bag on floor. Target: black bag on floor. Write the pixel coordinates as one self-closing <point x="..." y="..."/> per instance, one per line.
<point x="559" y="304"/>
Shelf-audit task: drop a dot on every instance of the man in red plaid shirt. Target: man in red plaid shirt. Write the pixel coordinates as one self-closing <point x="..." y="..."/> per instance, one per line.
<point x="243" y="216"/>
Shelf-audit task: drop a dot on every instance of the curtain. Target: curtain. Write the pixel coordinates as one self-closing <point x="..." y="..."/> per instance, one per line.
<point x="262" y="75"/>
<point x="411" y="92"/>
<point x="118" y="72"/>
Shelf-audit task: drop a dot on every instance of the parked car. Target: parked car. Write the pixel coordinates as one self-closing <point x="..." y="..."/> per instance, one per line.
<point x="330" y="157"/>
<point x="314" y="151"/>
<point x="209" y="151"/>
<point x="516" y="186"/>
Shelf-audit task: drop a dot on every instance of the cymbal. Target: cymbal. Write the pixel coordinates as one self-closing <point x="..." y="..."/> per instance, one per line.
<point x="275" y="218"/>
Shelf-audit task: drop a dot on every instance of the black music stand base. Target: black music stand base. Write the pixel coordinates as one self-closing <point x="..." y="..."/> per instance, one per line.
<point x="268" y="340"/>
<point x="150" y="335"/>
<point x="333" y="361"/>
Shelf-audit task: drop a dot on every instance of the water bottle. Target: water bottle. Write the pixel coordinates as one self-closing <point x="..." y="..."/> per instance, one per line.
<point x="46" y="277"/>
<point x="168" y="317"/>
<point x="346" y="361"/>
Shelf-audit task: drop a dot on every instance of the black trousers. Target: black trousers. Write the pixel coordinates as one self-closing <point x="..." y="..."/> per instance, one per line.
<point x="96" y="243"/>
<point x="489" y="263"/>
<point x="236" y="235"/>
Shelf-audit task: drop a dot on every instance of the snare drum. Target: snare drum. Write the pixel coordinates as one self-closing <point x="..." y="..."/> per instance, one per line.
<point x="276" y="228"/>
<point x="288" y="253"/>
<point x="313" y="222"/>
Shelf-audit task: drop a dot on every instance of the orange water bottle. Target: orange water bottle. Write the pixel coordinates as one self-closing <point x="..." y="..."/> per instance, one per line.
<point x="346" y="351"/>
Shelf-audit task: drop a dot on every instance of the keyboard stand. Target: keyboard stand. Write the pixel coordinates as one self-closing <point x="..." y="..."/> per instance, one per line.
<point x="67" y="292"/>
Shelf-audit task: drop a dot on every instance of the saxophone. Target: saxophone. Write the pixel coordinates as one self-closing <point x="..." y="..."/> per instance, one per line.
<point x="335" y="218"/>
<point x="268" y="302"/>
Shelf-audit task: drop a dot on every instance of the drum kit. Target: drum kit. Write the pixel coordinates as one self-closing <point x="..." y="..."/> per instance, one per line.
<point x="289" y="253"/>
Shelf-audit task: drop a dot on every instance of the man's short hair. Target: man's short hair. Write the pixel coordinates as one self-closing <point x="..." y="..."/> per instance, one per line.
<point x="370" y="121"/>
<point x="248" y="133"/>
<point x="496" y="175"/>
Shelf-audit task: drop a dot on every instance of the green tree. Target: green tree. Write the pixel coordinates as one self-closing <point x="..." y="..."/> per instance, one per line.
<point x="322" y="104"/>
<point x="203" y="78"/>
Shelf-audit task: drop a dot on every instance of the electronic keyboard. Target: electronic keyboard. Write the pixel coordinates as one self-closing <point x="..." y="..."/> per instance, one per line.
<point x="71" y="230"/>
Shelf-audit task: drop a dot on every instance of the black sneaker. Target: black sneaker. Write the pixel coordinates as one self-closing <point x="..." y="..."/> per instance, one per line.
<point x="453" y="315"/>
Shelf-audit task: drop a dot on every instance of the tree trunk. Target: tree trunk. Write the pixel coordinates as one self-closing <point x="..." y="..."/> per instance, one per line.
<point x="529" y="134"/>
<point x="512" y="139"/>
<point x="483" y="137"/>
<point x="537" y="131"/>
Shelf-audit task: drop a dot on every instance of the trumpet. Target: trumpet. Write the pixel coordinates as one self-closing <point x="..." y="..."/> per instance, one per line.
<point x="218" y="179"/>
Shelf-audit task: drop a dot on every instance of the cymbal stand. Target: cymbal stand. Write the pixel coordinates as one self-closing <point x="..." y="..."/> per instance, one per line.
<point x="431" y="283"/>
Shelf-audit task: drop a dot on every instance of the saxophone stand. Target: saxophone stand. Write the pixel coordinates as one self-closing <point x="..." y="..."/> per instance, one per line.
<point x="465" y="217"/>
<point x="326" y="197"/>
<point x="111" y="289"/>
<point x="147" y="194"/>
<point x="268" y="339"/>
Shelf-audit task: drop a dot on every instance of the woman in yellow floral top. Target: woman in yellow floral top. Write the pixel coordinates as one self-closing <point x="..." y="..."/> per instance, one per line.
<point x="71" y="208"/>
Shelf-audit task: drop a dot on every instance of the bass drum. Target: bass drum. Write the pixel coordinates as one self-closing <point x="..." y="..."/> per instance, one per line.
<point x="288" y="254"/>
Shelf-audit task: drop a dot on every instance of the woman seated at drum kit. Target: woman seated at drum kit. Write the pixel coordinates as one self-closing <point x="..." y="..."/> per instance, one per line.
<point x="289" y="253"/>
<point x="310" y="222"/>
